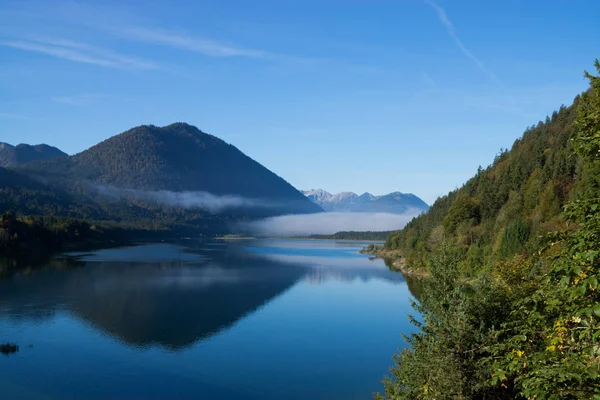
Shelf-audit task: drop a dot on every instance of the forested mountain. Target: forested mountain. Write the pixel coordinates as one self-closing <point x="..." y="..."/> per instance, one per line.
<point x="176" y="158"/>
<point x="24" y="195"/>
<point x="505" y="208"/>
<point x="175" y="178"/>
<point x="511" y="307"/>
<point x="22" y="153"/>
<point x="395" y="203"/>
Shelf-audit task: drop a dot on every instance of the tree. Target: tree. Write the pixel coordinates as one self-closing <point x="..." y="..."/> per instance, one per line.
<point x="555" y="352"/>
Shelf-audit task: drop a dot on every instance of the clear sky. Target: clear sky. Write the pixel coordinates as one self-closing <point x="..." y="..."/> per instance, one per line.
<point x="347" y="95"/>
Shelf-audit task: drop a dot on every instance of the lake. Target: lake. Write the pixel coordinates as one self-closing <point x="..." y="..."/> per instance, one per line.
<point x="247" y="319"/>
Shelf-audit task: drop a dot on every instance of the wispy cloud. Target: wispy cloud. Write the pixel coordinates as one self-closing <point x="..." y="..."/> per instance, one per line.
<point x="190" y="43"/>
<point x="78" y="99"/>
<point x="443" y="17"/>
<point x="78" y="52"/>
<point x="429" y="80"/>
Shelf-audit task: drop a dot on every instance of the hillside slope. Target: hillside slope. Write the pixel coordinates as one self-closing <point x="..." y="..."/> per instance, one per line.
<point x="498" y="317"/>
<point x="505" y="208"/>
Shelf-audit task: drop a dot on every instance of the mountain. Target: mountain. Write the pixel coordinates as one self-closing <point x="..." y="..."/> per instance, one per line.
<point x="395" y="203"/>
<point x="23" y="153"/>
<point x="24" y="195"/>
<point x="168" y="174"/>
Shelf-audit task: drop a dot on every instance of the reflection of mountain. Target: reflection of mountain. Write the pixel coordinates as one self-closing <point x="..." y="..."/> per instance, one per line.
<point x="321" y="275"/>
<point x="173" y="303"/>
<point x="342" y="268"/>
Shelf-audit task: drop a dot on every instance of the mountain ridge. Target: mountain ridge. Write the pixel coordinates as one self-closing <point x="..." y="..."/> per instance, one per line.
<point x="395" y="202"/>
<point x="178" y="158"/>
<point x="23" y="153"/>
<point x="153" y="178"/>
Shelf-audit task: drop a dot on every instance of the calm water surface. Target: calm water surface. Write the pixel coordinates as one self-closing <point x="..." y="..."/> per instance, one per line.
<point x="260" y="319"/>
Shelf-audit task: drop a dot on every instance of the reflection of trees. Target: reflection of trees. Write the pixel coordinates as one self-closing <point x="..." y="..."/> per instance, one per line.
<point x="415" y="284"/>
<point x="28" y="264"/>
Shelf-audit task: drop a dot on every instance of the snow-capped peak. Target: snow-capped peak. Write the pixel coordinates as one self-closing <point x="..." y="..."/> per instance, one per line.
<point x="395" y="202"/>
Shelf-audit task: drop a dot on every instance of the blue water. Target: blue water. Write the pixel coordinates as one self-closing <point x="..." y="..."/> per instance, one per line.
<point x="260" y="319"/>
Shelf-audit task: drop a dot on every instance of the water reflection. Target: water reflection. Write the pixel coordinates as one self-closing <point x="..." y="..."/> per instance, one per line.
<point x="172" y="303"/>
<point x="174" y="296"/>
<point x="228" y="320"/>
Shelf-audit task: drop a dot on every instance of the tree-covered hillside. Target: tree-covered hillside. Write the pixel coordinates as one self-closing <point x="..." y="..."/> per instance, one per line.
<point x="23" y="153"/>
<point x="506" y="208"/>
<point x="511" y="308"/>
<point x="178" y="157"/>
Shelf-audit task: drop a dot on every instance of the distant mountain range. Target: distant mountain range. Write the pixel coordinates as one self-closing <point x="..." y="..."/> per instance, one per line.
<point x="396" y="202"/>
<point x="147" y="176"/>
<point x="23" y="153"/>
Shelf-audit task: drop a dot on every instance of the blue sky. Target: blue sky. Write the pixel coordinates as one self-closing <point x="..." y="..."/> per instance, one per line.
<point x="348" y="95"/>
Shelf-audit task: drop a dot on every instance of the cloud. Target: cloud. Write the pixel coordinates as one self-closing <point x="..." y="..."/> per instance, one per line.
<point x="443" y="17"/>
<point x="188" y="199"/>
<point x="78" y="52"/>
<point x="190" y="43"/>
<point x="328" y="223"/>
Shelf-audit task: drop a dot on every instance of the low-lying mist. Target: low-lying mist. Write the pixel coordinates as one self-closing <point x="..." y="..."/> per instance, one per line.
<point x="188" y="199"/>
<point x="327" y="223"/>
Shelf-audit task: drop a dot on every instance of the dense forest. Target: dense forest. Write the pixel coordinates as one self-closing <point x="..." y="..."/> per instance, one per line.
<point x="506" y="208"/>
<point x="26" y="196"/>
<point x="353" y="235"/>
<point x="22" y="234"/>
<point x="512" y="305"/>
<point x="25" y="234"/>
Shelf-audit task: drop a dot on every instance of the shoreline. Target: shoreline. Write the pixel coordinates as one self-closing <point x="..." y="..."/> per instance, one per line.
<point x="395" y="261"/>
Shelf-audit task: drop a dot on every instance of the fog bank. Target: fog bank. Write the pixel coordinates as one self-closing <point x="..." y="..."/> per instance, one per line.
<point x="328" y="223"/>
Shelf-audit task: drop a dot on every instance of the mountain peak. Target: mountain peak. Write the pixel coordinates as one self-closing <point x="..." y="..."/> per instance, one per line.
<point x="23" y="153"/>
<point x="395" y="202"/>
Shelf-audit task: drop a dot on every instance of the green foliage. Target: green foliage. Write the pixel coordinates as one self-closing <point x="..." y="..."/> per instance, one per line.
<point x="464" y="208"/>
<point x="443" y="360"/>
<point x="587" y="139"/>
<point x="514" y="238"/>
<point x="529" y="326"/>
<point x="371" y="249"/>
<point x="507" y="207"/>
<point x="559" y="355"/>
